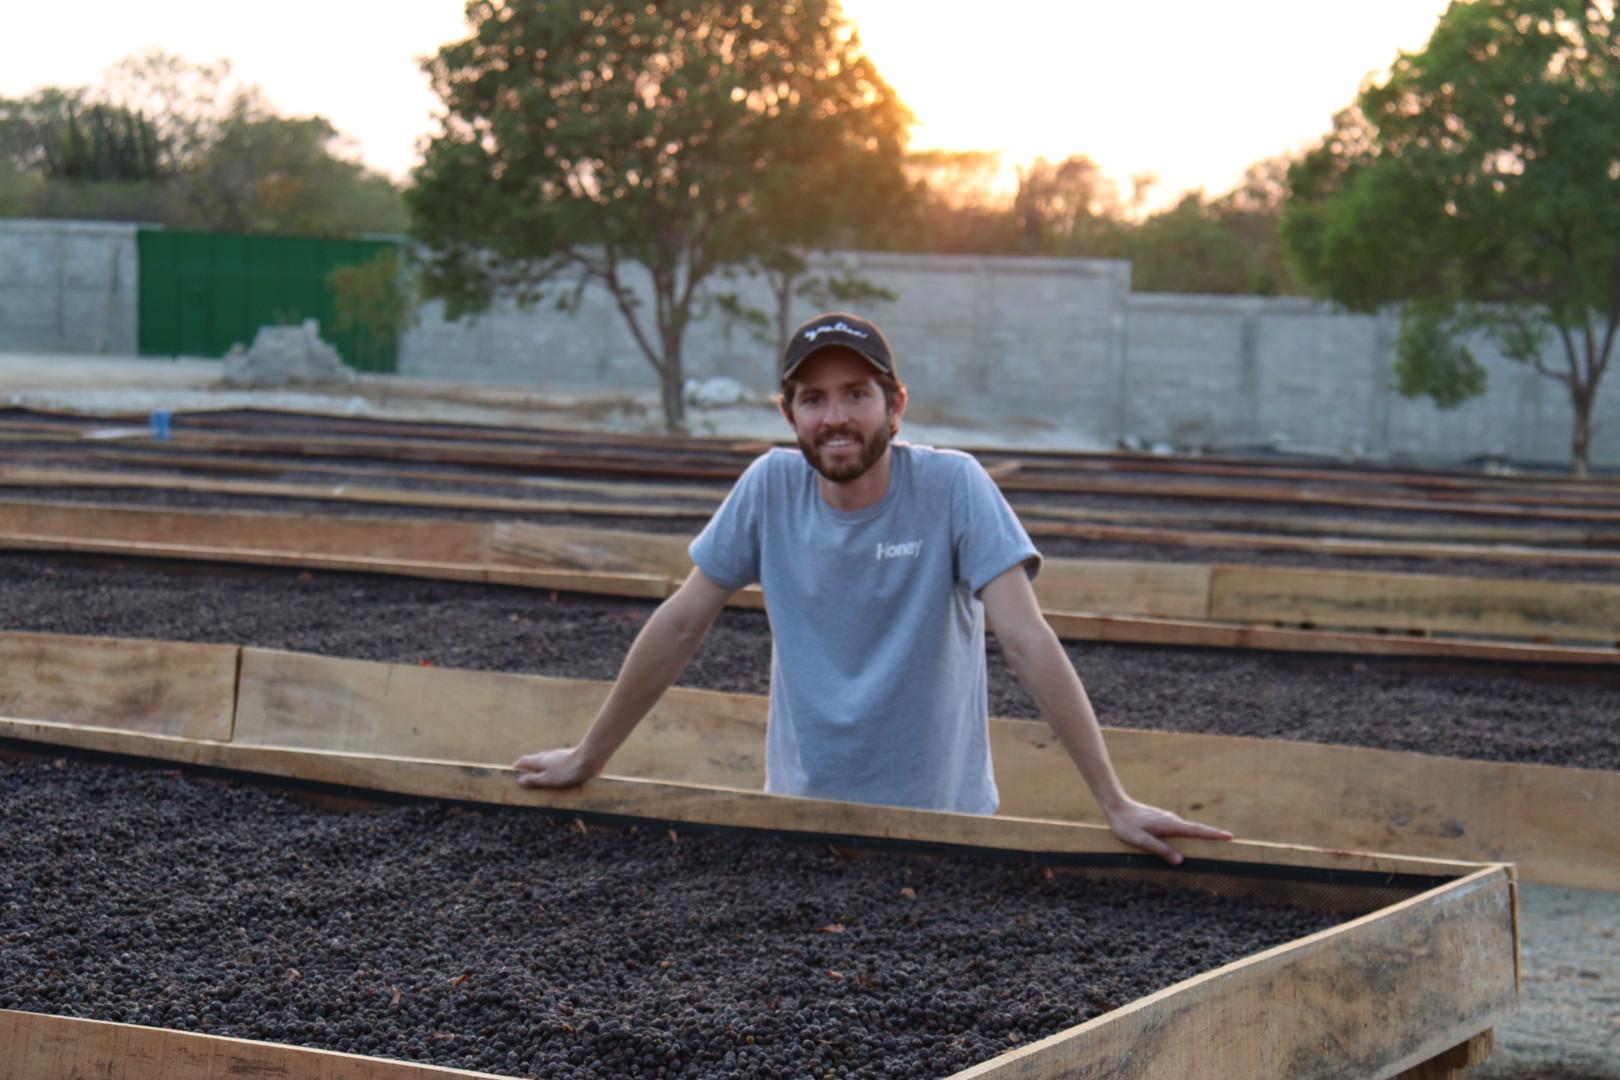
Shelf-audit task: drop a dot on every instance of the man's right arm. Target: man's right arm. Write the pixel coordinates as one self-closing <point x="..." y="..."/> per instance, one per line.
<point x="659" y="654"/>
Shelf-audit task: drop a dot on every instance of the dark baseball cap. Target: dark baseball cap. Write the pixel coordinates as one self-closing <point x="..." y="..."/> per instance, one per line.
<point x="842" y="330"/>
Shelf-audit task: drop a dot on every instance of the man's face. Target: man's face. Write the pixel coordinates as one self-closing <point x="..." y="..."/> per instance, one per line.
<point x="840" y="417"/>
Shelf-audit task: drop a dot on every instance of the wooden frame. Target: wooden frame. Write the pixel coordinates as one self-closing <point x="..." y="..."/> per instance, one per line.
<point x="1277" y="791"/>
<point x="1156" y="603"/>
<point x="1371" y="997"/>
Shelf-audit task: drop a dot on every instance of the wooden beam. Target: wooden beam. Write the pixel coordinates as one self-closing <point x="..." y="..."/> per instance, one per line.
<point x="1450" y="1065"/>
<point x="1278" y="790"/>
<point x="14" y="476"/>
<point x="697" y="804"/>
<point x="161" y="687"/>
<point x="1351" y="598"/>
<point x="34" y="1046"/>
<point x="1210" y="634"/>
<point x="1366" y="999"/>
<point x="634" y="585"/>
<point x="1327" y="545"/>
<point x="1023" y="481"/>
<point x="1224" y="521"/>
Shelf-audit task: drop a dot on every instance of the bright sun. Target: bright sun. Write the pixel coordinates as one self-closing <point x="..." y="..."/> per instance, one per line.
<point x="1193" y="93"/>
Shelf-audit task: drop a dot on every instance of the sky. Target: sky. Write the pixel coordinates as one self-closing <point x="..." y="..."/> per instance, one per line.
<point x="1188" y="90"/>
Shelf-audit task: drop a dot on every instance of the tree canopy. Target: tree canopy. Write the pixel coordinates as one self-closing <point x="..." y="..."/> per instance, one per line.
<point x="1478" y="185"/>
<point x="580" y="140"/>
<point x="170" y="142"/>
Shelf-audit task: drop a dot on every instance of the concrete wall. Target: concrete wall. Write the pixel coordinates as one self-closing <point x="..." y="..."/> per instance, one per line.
<point x="1043" y="343"/>
<point x="68" y="286"/>
<point x="1052" y="328"/>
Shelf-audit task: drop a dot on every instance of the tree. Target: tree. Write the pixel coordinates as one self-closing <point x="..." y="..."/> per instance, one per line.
<point x="1229" y="245"/>
<point x="266" y="173"/>
<point x="1068" y="207"/>
<point x="1479" y="185"/>
<point x="580" y="140"/>
<point x="167" y="141"/>
<point x="958" y="209"/>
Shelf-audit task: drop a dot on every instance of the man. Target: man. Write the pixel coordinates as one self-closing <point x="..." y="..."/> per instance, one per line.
<point x="879" y="562"/>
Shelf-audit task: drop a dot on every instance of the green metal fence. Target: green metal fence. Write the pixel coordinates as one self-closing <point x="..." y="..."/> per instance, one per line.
<point x="201" y="293"/>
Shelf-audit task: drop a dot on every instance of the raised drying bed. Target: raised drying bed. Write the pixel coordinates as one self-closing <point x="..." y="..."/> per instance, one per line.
<point x="1157" y="603"/>
<point x="1369" y="998"/>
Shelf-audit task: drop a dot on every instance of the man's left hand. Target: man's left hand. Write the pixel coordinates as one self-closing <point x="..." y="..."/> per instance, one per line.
<point x="1145" y="827"/>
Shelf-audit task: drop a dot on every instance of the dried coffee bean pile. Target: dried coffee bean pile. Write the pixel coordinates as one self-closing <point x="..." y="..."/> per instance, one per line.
<point x="1488" y="712"/>
<point x="516" y="943"/>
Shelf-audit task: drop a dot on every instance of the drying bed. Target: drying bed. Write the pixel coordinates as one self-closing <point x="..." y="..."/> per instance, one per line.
<point x="522" y="944"/>
<point x="1490" y="712"/>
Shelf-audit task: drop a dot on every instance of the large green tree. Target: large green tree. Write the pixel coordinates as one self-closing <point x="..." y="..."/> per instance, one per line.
<point x="1478" y="185"/>
<point x="589" y="143"/>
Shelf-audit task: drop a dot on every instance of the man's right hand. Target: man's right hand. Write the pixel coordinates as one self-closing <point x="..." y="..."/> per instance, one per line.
<point x="553" y="768"/>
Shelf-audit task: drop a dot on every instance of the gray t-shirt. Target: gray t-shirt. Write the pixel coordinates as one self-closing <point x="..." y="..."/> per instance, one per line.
<point x="877" y="662"/>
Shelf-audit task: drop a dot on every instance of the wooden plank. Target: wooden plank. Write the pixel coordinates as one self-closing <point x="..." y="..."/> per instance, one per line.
<point x="418" y="539"/>
<point x="1366" y="999"/>
<point x="162" y="687"/>
<point x="356" y="706"/>
<point x="15" y="476"/>
<point x="1449" y="1065"/>
<point x="1023" y="481"/>
<point x="34" y="1046"/>
<point x="1030" y="510"/>
<point x="1271" y="789"/>
<point x="1328" y="545"/>
<point x="584" y="548"/>
<point x="697" y="804"/>
<point x="1202" y="634"/>
<point x="1118" y="587"/>
<point x="1340" y="796"/>
<point x="1350" y="598"/>
<point x="635" y="585"/>
<point x="709" y="496"/>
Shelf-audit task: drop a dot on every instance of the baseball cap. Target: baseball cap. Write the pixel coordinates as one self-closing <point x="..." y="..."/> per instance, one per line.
<point x="840" y="329"/>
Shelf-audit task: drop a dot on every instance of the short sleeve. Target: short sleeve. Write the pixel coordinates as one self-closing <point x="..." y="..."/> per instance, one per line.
<point x="990" y="540"/>
<point x="727" y="550"/>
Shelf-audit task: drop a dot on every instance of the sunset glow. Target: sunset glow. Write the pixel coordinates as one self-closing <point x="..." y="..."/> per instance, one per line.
<point x="1188" y="90"/>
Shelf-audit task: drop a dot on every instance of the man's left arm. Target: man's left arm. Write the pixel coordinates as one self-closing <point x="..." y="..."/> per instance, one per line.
<point x="1038" y="659"/>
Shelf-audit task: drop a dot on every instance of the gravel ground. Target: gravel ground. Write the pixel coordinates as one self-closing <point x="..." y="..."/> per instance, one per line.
<point x="510" y="942"/>
<point x="1487" y="712"/>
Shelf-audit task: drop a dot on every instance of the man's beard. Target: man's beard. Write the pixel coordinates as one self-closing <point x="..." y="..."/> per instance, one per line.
<point x="871" y="449"/>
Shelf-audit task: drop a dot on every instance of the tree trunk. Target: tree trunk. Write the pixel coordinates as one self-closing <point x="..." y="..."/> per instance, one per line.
<point x="672" y="384"/>
<point x="1581" y="440"/>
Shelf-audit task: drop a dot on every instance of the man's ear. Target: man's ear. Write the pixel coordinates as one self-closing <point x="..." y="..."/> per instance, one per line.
<point x="782" y="406"/>
<point x="897" y="410"/>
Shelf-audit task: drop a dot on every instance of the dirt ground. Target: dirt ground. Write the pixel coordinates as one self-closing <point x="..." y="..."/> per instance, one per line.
<point x="1569" y="1024"/>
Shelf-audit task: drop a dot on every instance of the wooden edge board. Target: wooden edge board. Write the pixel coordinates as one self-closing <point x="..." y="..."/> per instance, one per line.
<point x="1326" y="545"/>
<point x="1221" y="634"/>
<point x="37" y="1046"/>
<point x="1330" y="526"/>
<point x="697" y="804"/>
<point x="643" y="586"/>
<point x="1364" y="1000"/>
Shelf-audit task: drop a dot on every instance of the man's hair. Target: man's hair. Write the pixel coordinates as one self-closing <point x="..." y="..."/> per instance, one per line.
<point x="891" y="387"/>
